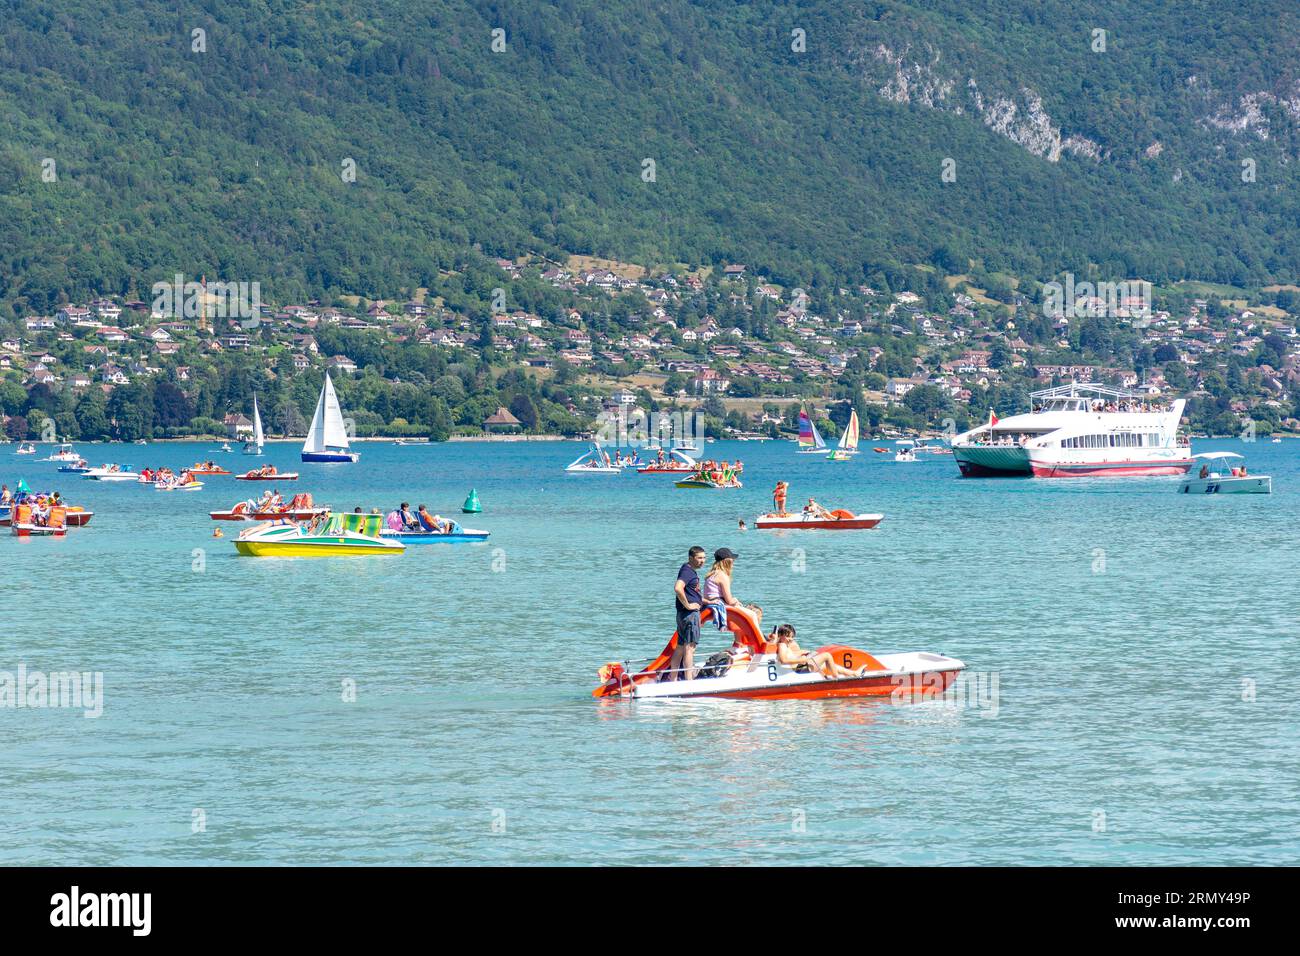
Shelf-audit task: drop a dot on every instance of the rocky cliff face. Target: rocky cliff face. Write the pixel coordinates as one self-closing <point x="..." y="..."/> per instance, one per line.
<point x="1249" y="113"/>
<point x="1017" y="115"/>
<point x="918" y="78"/>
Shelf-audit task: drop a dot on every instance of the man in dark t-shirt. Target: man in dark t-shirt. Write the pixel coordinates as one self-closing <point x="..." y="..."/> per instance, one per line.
<point x="688" y="601"/>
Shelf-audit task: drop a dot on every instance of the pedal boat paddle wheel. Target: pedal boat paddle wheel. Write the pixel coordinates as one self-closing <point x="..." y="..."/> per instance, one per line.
<point x="914" y="675"/>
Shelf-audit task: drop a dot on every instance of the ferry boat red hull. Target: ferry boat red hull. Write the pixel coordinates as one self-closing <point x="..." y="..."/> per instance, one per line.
<point x="1110" y="469"/>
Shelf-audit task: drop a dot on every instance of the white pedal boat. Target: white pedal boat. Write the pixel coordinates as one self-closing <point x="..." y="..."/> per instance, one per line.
<point x="912" y="675"/>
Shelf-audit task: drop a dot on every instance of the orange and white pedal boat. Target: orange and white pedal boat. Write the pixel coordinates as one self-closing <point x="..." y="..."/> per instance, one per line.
<point x="299" y="508"/>
<point x="839" y="520"/>
<point x="911" y="676"/>
<point x="267" y="473"/>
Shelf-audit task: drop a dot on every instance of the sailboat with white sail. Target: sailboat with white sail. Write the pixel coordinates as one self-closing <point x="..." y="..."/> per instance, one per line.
<point x="810" y="440"/>
<point x="327" y="439"/>
<point x="848" y="446"/>
<point x="254" y="447"/>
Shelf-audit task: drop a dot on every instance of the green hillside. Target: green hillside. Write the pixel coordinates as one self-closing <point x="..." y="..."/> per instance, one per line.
<point x="228" y="161"/>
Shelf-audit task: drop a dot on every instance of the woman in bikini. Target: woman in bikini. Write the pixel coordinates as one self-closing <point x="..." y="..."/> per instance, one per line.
<point x="788" y="652"/>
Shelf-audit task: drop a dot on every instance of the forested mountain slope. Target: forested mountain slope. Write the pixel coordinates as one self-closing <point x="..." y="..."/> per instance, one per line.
<point x="815" y="164"/>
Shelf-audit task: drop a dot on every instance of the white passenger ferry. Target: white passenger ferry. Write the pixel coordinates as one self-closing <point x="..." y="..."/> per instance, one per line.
<point x="1079" y="430"/>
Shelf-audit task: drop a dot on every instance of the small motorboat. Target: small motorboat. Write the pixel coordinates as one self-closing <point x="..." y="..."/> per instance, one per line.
<point x="839" y="520"/>
<point x="300" y="508"/>
<point x="79" y="467"/>
<point x="25" y="448"/>
<point x="593" y="462"/>
<point x="65" y="453"/>
<point x="111" y="473"/>
<point x="207" y="468"/>
<point x="907" y="451"/>
<point x="675" y="463"/>
<point x="265" y="474"/>
<point x="331" y="535"/>
<point x="1236" y="481"/>
<point x="914" y="675"/>
<point x="1277" y="441"/>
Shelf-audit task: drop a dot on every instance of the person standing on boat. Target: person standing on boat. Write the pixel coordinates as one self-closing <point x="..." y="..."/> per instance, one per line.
<point x="778" y="497"/>
<point x="717" y="586"/>
<point x="688" y="600"/>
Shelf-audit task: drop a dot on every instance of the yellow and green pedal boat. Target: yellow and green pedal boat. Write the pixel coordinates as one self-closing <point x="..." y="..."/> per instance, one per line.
<point x="330" y="535"/>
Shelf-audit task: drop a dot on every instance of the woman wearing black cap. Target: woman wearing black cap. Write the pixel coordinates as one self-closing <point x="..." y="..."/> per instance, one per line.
<point x="717" y="585"/>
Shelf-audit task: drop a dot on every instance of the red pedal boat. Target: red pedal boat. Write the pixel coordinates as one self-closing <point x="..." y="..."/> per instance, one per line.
<point x="911" y="676"/>
<point x="840" y="520"/>
<point x="299" y="508"/>
<point x="267" y="474"/>
<point x="676" y="463"/>
<point x="207" y="468"/>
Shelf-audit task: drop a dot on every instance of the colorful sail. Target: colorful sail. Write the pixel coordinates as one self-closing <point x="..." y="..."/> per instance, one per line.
<point x="809" y="438"/>
<point x="848" y="446"/>
<point x="849" y="440"/>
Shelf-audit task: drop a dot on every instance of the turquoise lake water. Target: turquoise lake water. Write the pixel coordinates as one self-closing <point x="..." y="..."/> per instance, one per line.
<point x="1143" y="644"/>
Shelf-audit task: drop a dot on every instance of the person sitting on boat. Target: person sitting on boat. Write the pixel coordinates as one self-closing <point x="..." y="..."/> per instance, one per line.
<point x="6" y="496"/>
<point x="687" y="600"/>
<point x="789" y="652"/>
<point x="409" y="521"/>
<point x="717" y="586"/>
<point x="1205" y="471"/>
<point x="813" y="510"/>
<point x="426" y="520"/>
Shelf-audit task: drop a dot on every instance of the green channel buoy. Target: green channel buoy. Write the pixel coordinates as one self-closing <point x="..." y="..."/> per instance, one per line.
<point x="471" y="505"/>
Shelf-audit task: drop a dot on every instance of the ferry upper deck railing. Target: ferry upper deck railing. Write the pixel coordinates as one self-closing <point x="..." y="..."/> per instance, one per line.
<point x="1086" y="390"/>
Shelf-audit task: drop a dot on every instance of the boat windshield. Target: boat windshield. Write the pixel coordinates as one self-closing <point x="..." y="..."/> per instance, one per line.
<point x="368" y="525"/>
